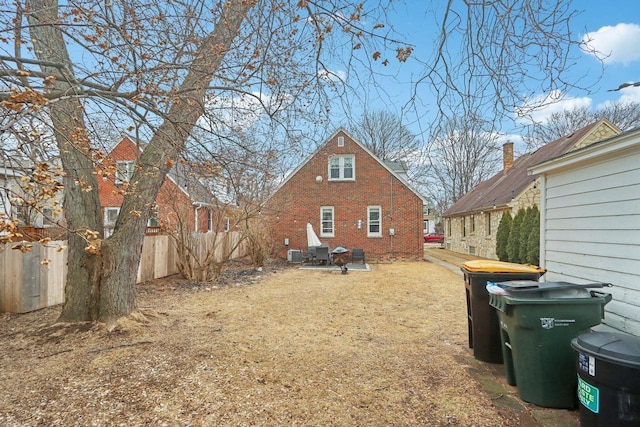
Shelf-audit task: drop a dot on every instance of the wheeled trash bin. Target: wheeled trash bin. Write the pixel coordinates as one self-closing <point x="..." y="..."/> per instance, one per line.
<point x="484" y="331"/>
<point x="536" y="329"/>
<point x="608" y="365"/>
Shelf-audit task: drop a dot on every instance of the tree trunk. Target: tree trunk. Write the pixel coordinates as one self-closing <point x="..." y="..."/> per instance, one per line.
<point x="82" y="205"/>
<point x="101" y="280"/>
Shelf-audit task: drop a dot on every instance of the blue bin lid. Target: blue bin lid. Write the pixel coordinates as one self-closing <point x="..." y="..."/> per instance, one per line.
<point x="618" y="348"/>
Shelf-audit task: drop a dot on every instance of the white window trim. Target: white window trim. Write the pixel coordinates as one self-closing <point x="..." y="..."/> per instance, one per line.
<point x="128" y="166"/>
<point x="108" y="226"/>
<point x="369" y="210"/>
<point x="106" y="215"/>
<point x="333" y="221"/>
<point x="341" y="167"/>
<point x="341" y="141"/>
<point x="154" y="215"/>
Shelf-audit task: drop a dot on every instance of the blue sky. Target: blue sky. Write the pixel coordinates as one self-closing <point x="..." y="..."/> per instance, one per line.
<point x="614" y="27"/>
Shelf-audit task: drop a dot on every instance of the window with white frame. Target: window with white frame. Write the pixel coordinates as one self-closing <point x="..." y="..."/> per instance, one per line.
<point x="124" y="170"/>
<point x="374" y="221"/>
<point x="342" y="168"/>
<point x="48" y="217"/>
<point x="341" y="141"/>
<point x="326" y="221"/>
<point x="110" y="218"/>
<point x="153" y="217"/>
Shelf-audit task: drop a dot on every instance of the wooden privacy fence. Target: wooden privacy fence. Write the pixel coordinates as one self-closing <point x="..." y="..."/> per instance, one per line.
<point x="27" y="284"/>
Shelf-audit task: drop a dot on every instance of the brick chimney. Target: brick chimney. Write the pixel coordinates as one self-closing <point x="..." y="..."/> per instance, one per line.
<point x="507" y="157"/>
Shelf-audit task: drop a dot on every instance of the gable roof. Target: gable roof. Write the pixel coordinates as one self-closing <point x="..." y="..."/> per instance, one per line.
<point x="179" y="175"/>
<point x="500" y="189"/>
<point x="396" y="169"/>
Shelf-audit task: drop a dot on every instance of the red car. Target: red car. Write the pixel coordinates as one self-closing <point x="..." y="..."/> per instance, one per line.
<point x="434" y="238"/>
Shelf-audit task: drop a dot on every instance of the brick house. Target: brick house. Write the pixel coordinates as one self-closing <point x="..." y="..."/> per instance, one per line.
<point x="353" y="199"/>
<point x="175" y="204"/>
<point x="470" y="224"/>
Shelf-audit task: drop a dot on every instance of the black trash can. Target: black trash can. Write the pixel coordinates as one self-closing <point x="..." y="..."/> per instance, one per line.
<point x="484" y="330"/>
<point x="608" y="365"/>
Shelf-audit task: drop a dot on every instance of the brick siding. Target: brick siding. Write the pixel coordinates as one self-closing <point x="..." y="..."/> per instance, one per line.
<point x="299" y="200"/>
<point x="174" y="205"/>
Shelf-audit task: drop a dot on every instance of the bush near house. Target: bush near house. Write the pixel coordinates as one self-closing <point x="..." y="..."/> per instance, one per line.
<point x="502" y="237"/>
<point x="518" y="239"/>
<point x="533" y="242"/>
<point x="514" y="243"/>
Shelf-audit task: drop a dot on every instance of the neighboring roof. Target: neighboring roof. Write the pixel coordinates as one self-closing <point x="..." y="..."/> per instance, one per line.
<point x="615" y="145"/>
<point x="500" y="189"/>
<point x="395" y="168"/>
<point x="182" y="177"/>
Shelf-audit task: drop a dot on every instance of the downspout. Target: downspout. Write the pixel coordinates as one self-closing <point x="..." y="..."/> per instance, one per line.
<point x="198" y="206"/>
<point x="391" y="215"/>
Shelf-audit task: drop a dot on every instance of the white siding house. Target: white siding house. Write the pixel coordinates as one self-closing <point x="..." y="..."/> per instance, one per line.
<point x="590" y="222"/>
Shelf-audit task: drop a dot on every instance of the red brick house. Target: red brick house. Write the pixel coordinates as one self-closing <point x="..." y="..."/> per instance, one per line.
<point x="174" y="205"/>
<point x="353" y="199"/>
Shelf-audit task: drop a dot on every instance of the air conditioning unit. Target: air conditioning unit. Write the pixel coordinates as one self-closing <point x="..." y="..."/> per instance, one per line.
<point x="294" y="255"/>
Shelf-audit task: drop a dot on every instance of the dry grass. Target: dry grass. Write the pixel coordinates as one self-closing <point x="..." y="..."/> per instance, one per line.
<point x="284" y="348"/>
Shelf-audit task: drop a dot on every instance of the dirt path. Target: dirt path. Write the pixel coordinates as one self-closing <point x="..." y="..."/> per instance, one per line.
<point x="292" y="347"/>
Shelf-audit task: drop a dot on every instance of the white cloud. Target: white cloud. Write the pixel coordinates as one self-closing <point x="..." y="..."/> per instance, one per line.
<point x="337" y="76"/>
<point x="614" y="44"/>
<point x="539" y="108"/>
<point x="240" y="112"/>
<point x="630" y="94"/>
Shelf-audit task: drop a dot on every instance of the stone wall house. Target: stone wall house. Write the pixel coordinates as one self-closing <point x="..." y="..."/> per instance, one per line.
<point x="472" y="222"/>
<point x="352" y="199"/>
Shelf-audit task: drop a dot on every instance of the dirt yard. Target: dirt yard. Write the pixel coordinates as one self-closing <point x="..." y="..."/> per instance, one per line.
<point x="281" y="347"/>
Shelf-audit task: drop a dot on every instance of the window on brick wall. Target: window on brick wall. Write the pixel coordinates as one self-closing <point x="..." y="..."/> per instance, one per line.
<point x="153" y="217"/>
<point x="374" y="221"/>
<point x="327" y="220"/>
<point x="124" y="170"/>
<point x="110" y="218"/>
<point x="342" y="168"/>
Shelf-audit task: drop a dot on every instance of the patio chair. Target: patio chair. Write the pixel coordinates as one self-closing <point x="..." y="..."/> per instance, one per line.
<point x="357" y="255"/>
<point x="322" y="254"/>
<point x="310" y="256"/>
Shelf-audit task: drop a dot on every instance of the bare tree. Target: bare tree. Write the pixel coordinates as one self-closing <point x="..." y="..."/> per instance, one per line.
<point x="155" y="69"/>
<point x="625" y="115"/>
<point x="465" y="154"/>
<point x="500" y="54"/>
<point x="384" y="134"/>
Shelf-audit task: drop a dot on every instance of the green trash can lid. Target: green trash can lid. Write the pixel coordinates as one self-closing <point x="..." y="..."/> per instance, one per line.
<point x="619" y="348"/>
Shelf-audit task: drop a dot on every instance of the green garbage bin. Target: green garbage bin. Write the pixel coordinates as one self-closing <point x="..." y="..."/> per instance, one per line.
<point x="536" y="330"/>
<point x="484" y="331"/>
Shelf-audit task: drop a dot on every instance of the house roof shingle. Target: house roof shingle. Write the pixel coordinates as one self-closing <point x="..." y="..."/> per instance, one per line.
<point x="503" y="187"/>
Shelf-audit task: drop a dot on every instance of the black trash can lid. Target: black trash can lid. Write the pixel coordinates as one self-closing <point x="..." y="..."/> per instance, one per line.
<point x="622" y="349"/>
<point x="339" y="250"/>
